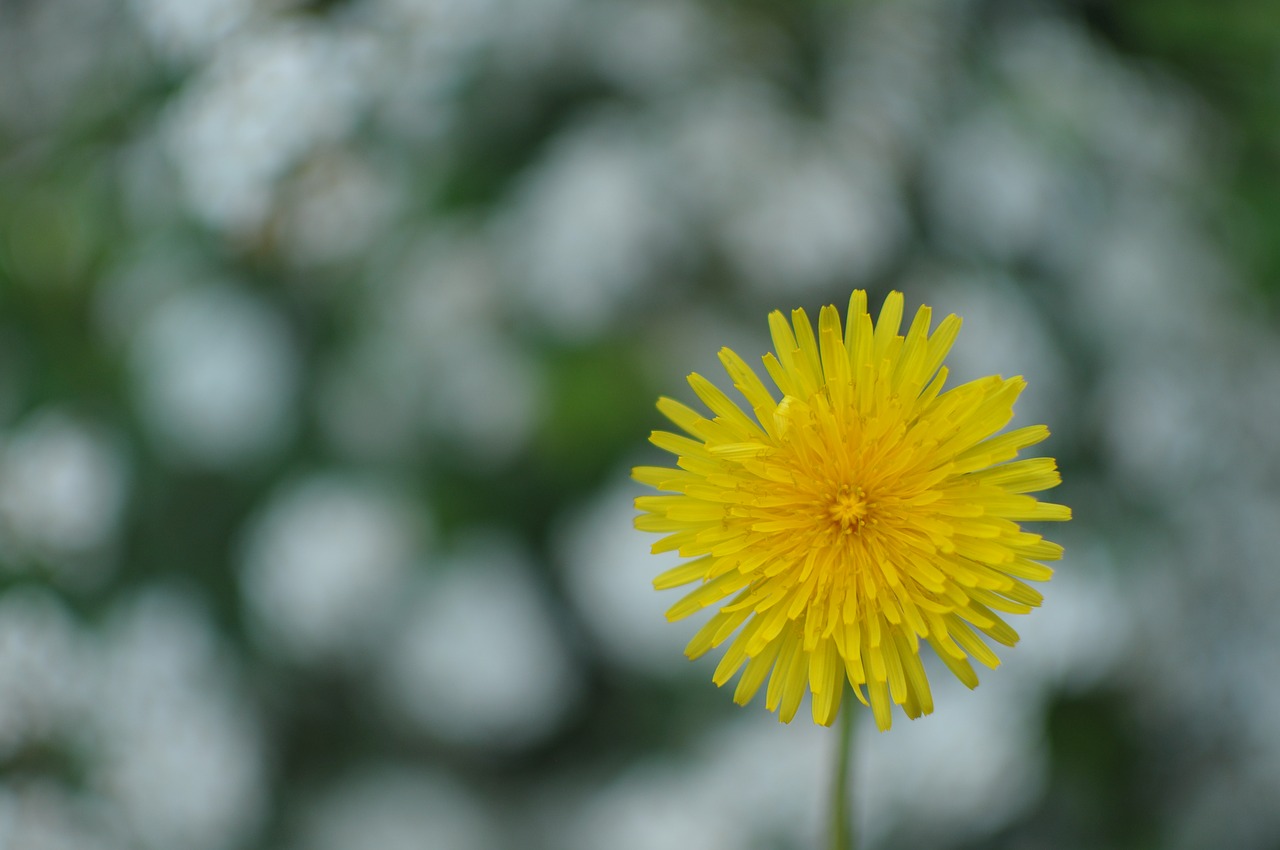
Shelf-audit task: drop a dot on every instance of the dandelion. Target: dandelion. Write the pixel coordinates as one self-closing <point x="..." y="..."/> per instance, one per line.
<point x="863" y="513"/>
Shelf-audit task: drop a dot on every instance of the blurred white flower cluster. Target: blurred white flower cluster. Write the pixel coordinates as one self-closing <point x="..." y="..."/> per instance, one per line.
<point x="148" y="711"/>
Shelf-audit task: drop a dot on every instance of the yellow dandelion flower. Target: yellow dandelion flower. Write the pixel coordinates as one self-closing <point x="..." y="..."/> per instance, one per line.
<point x="862" y="513"/>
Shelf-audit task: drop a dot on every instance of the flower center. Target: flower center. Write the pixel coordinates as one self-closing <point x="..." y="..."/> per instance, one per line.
<point x="849" y="508"/>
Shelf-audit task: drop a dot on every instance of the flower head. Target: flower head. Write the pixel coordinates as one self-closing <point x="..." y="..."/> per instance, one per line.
<point x="863" y="512"/>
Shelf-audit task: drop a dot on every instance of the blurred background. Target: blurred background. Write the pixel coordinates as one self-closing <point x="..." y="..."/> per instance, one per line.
<point x="329" y="331"/>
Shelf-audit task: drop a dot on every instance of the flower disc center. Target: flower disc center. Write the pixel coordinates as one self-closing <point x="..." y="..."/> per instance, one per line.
<point x="849" y="508"/>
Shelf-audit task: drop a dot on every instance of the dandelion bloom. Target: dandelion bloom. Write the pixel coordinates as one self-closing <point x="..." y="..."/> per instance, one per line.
<point x="865" y="511"/>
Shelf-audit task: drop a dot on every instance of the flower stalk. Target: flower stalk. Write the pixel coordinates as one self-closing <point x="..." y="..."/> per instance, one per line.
<point x="841" y="823"/>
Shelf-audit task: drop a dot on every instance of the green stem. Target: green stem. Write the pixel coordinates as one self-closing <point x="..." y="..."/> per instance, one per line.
<point x="841" y="804"/>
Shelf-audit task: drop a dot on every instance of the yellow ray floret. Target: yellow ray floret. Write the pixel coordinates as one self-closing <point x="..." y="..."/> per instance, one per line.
<point x="859" y="512"/>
